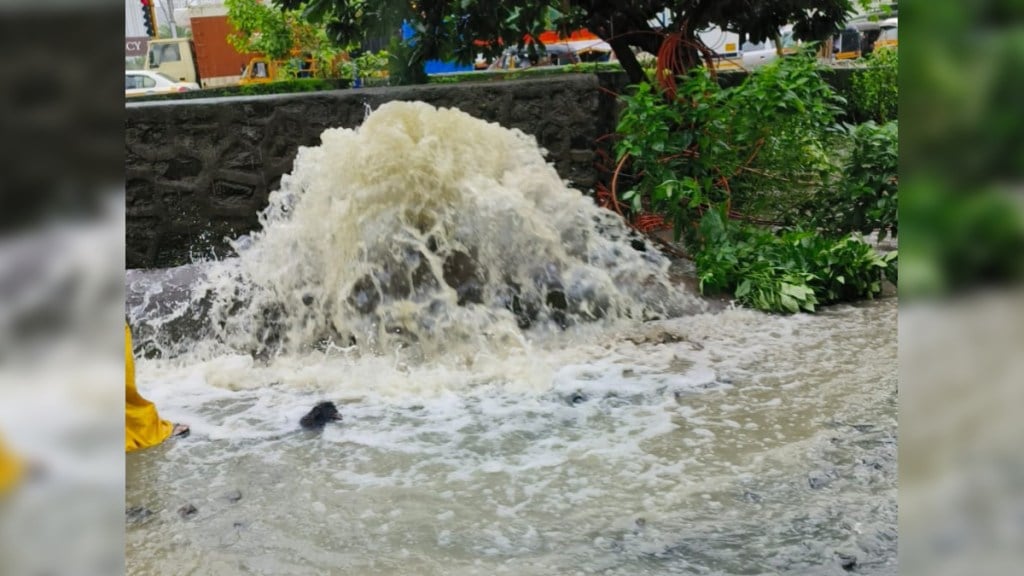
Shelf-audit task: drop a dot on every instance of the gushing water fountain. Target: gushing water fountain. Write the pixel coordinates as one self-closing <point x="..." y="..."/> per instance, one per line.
<point x="424" y="228"/>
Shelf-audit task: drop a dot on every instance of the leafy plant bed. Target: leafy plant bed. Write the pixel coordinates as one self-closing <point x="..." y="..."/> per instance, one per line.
<point x="772" y="193"/>
<point x="788" y="270"/>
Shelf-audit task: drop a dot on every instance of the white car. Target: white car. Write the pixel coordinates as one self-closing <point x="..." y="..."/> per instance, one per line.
<point x="145" y="82"/>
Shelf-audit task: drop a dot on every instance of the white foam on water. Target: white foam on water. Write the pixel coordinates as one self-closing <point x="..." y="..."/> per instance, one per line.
<point x="276" y="393"/>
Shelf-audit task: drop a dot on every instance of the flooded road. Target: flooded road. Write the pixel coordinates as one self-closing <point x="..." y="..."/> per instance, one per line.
<point x="728" y="443"/>
<point x="525" y="389"/>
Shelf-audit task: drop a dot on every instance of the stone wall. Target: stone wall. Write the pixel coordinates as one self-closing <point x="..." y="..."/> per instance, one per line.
<point x="198" y="171"/>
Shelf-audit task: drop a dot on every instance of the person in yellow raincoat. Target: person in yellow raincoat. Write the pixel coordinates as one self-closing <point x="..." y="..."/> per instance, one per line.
<point x="11" y="469"/>
<point x="142" y="424"/>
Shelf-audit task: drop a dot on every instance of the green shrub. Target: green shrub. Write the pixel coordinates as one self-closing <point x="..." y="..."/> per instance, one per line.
<point x="287" y="86"/>
<point x="876" y="88"/>
<point x="864" y="197"/>
<point x="760" y="146"/>
<point x="372" y="67"/>
<point x="789" y="270"/>
<point x="744" y="261"/>
<point x="714" y="161"/>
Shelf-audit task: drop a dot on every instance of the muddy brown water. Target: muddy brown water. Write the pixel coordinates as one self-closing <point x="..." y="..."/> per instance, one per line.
<point x="731" y="442"/>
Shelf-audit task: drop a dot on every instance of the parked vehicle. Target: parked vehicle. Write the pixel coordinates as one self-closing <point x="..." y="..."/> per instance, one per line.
<point x="145" y="82"/>
<point x="724" y="45"/>
<point x="757" y="54"/>
<point x="887" y="35"/>
<point x="856" y="40"/>
<point x="261" y="70"/>
<point x="206" y="59"/>
<point x="174" y="58"/>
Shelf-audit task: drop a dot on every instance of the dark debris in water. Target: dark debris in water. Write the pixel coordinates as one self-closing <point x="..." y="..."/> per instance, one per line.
<point x="863" y="428"/>
<point x="820" y="479"/>
<point x="846" y="561"/>
<point x="660" y="337"/>
<point x="138" y="515"/>
<point x="752" y="497"/>
<point x="187" y="511"/>
<point x="320" y="415"/>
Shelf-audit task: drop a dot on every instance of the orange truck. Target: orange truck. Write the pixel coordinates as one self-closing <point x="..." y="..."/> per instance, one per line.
<point x="206" y="59"/>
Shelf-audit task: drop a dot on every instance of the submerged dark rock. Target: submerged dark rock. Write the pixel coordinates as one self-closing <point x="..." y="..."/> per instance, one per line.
<point x="558" y="306"/>
<point x="577" y="398"/>
<point x="847" y="561"/>
<point x="525" y="308"/>
<point x="187" y="511"/>
<point x="462" y="273"/>
<point x="233" y="496"/>
<point x="365" y="296"/>
<point x="319" y="416"/>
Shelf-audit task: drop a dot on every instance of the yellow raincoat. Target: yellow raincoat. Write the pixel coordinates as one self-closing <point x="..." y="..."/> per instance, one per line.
<point x="11" y="470"/>
<point x="142" y="425"/>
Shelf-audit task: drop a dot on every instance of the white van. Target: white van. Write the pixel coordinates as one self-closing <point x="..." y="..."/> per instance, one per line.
<point x="887" y="36"/>
<point x="761" y="53"/>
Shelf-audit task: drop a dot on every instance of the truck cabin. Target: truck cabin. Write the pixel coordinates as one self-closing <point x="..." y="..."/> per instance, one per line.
<point x="856" y="40"/>
<point x="174" y="57"/>
<point x="261" y="70"/>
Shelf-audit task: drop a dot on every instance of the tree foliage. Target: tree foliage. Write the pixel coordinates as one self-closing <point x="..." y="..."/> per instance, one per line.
<point x="459" y="29"/>
<point x="260" y="28"/>
<point x="276" y="33"/>
<point x="628" y="24"/>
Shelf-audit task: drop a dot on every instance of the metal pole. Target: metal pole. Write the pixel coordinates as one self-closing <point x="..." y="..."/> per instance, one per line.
<point x="169" y="9"/>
